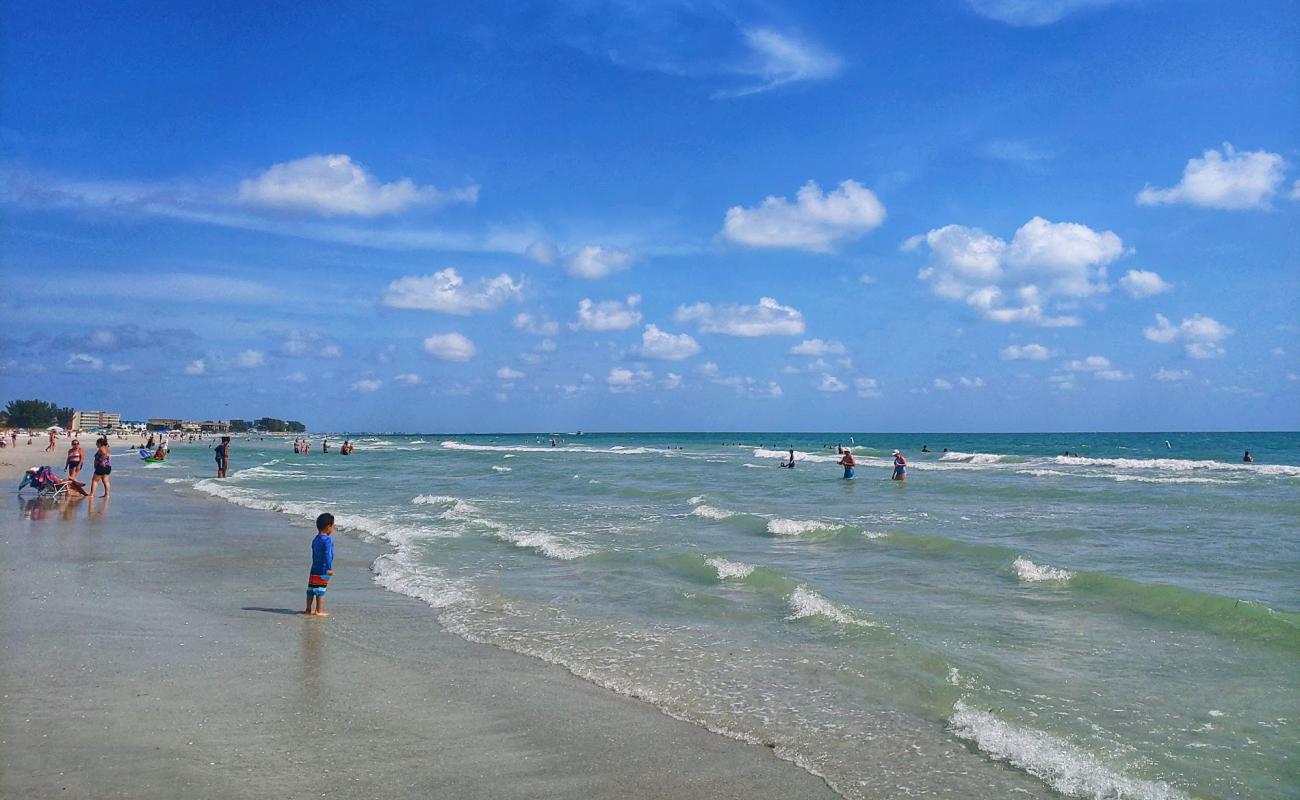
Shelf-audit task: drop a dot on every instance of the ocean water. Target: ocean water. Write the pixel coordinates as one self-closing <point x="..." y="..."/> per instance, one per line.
<point x="1124" y="623"/>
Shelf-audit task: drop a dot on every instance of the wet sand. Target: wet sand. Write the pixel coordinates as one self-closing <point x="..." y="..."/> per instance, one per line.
<point x="151" y="649"/>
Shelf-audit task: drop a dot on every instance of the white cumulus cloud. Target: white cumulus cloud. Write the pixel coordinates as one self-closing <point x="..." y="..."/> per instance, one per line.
<point x="623" y="381"/>
<point x="1089" y="364"/>
<point x="830" y="383"/>
<point x="508" y="374"/>
<point x="867" y="387"/>
<point x="331" y="185"/>
<point x="815" y="221"/>
<point x="1227" y="180"/>
<point x="535" y="325"/>
<point x="367" y="385"/>
<point x="1016" y="281"/>
<point x="1027" y="352"/>
<point x="446" y="291"/>
<point x="767" y="318"/>
<point x="1139" y="283"/>
<point x="1165" y="375"/>
<point x="83" y="362"/>
<point x="450" y="347"/>
<point x="818" y="347"/>
<point x="196" y="367"/>
<point x="1199" y="335"/>
<point x="249" y="359"/>
<point x="607" y="315"/>
<point x="407" y="379"/>
<point x="941" y="384"/>
<point x="665" y="346"/>
<point x="594" y="262"/>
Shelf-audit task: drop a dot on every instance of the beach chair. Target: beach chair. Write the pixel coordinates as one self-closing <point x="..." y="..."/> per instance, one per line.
<point x="43" y="481"/>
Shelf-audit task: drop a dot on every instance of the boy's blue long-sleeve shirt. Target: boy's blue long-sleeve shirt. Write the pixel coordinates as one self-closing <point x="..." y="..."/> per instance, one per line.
<point x="322" y="554"/>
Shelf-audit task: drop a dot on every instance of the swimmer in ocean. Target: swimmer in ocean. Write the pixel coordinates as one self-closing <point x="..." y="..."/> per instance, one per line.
<point x="848" y="462"/>
<point x="1248" y="458"/>
<point x="900" y="467"/>
<point x="789" y="464"/>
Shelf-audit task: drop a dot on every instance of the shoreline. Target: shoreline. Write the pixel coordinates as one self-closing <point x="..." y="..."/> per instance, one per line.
<point x="146" y="656"/>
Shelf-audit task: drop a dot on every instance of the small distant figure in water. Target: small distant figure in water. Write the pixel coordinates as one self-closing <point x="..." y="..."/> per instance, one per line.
<point x="1168" y="445"/>
<point x="848" y="462"/>
<point x="324" y="445"/>
<point x="160" y="454"/>
<point x="945" y="449"/>
<point x="322" y="565"/>
<point x="925" y="448"/>
<point x="346" y="449"/>
<point x="1248" y="458"/>
<point x="789" y="464"/>
<point x="553" y="442"/>
<point x="900" y="467"/>
<point x="839" y="449"/>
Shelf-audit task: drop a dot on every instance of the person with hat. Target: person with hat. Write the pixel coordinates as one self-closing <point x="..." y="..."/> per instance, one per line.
<point x="900" y="467"/>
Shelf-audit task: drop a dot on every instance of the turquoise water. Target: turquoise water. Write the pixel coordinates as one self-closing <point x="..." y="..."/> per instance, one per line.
<point x="1124" y="623"/>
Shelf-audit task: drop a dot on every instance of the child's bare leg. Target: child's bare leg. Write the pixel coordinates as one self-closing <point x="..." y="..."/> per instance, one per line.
<point x="320" y="607"/>
<point x="310" y="598"/>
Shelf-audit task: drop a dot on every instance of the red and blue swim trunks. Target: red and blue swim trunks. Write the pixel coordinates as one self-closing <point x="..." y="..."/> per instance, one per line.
<point x="317" y="584"/>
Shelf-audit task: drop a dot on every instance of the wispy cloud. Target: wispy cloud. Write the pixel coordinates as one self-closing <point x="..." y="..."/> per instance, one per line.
<point x="1034" y="13"/>
<point x="776" y="59"/>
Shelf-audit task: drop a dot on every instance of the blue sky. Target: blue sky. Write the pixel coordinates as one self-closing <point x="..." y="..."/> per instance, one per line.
<point x="942" y="215"/>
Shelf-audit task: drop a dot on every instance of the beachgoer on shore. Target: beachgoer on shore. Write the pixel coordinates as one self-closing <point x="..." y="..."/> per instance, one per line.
<point x="322" y="565"/>
<point x="103" y="465"/>
<point x="848" y="462"/>
<point x="900" y="467"/>
<point x="54" y="440"/>
<point x="75" y="455"/>
<point x="222" y="455"/>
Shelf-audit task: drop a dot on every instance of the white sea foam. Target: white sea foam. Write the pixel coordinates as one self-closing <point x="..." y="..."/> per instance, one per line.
<point x="548" y="544"/>
<point x="1038" y="573"/>
<point x="874" y="534"/>
<point x="977" y="458"/>
<point x="709" y="512"/>
<point x="500" y="469"/>
<point x="493" y="448"/>
<point x="175" y="480"/>
<point x="1179" y="465"/>
<point x="1044" y="473"/>
<point x="729" y="569"/>
<point x="799" y="455"/>
<point x="1172" y="479"/>
<point x="1066" y="768"/>
<point x="805" y="602"/>
<point x="400" y="573"/>
<point x="434" y="499"/>
<point x="755" y="466"/>
<point x="696" y="500"/>
<point x="798" y="527"/>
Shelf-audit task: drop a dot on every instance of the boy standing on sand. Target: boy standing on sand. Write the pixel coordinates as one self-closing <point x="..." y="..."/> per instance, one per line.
<point x="322" y="565"/>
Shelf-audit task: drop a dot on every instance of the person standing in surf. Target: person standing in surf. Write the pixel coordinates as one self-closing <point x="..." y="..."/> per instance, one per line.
<point x="900" y="467"/>
<point x="222" y="455"/>
<point x="73" y="465"/>
<point x="103" y="465"/>
<point x="848" y="462"/>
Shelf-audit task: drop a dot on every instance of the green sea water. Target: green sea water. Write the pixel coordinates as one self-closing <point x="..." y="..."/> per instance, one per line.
<point x="1120" y="622"/>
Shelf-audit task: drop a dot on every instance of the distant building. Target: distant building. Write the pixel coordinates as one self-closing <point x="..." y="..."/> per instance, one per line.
<point x="163" y="423"/>
<point x="91" y="420"/>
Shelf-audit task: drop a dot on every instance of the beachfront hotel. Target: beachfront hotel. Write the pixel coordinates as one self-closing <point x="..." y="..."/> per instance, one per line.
<point x="92" y="420"/>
